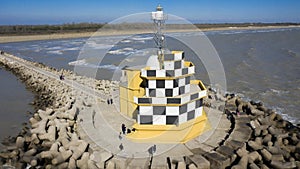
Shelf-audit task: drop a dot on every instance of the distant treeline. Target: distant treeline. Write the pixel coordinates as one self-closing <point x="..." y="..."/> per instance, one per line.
<point x="92" y="27"/>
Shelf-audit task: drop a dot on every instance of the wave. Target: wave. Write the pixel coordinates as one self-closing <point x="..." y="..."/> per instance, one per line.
<point x="95" y="45"/>
<point x="72" y="48"/>
<point x="53" y="48"/>
<point x="78" y="62"/>
<point x="290" y="52"/>
<point x="142" y="38"/>
<point x="126" y="41"/>
<point x="274" y="92"/>
<point x="285" y="116"/>
<point x="83" y="63"/>
<point x="124" y="51"/>
<point x="57" y="52"/>
<point x="263" y="30"/>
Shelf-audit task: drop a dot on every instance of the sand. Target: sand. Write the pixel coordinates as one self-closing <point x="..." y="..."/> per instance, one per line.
<point x="21" y="38"/>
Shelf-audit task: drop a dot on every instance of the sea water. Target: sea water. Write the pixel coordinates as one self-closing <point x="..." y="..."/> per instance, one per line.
<point x="261" y="65"/>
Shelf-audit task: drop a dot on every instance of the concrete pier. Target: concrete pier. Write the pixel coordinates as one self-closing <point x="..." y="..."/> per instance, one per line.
<point x="78" y="129"/>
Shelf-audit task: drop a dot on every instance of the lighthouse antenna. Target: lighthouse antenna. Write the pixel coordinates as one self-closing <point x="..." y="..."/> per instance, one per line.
<point x="159" y="19"/>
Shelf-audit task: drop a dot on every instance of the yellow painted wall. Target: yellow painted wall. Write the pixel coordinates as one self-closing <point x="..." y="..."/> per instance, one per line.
<point x="188" y="64"/>
<point x="198" y="82"/>
<point x="134" y="79"/>
<point x="127" y="93"/>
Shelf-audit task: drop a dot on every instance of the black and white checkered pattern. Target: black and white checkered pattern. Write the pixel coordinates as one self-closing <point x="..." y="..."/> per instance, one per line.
<point x="173" y="65"/>
<point x="168" y="88"/>
<point x="168" y="99"/>
<point x="162" y="115"/>
<point x="183" y="99"/>
<point x="161" y="73"/>
<point x="174" y="56"/>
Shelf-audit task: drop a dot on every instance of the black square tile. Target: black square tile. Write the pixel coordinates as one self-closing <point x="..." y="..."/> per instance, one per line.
<point x="175" y="83"/>
<point x="191" y="115"/>
<point x="145" y="100"/>
<point x="172" y="119"/>
<point x="168" y="57"/>
<point x="183" y="109"/>
<point x="194" y="96"/>
<point x="177" y="64"/>
<point x="199" y="103"/>
<point x="185" y="71"/>
<point x="152" y="92"/>
<point x="159" y="110"/>
<point x="173" y="100"/>
<point x="151" y="73"/>
<point x="146" y="119"/>
<point x="187" y="80"/>
<point x="181" y="90"/>
<point x="169" y="92"/>
<point x="170" y="73"/>
<point x="160" y="84"/>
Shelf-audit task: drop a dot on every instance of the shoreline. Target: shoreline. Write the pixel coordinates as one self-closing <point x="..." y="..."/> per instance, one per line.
<point x="56" y="36"/>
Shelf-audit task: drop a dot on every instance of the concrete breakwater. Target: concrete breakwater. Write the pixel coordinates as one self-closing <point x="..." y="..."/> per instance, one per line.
<point x="256" y="136"/>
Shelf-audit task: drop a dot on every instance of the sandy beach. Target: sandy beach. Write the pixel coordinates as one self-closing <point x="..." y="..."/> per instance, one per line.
<point x="21" y="38"/>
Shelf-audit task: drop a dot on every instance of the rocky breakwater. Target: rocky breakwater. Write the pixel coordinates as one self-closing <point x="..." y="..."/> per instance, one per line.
<point x="272" y="141"/>
<point x="51" y="141"/>
<point x="257" y="137"/>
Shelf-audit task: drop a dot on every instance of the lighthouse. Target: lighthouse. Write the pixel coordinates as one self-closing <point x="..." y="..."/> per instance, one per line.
<point x="161" y="96"/>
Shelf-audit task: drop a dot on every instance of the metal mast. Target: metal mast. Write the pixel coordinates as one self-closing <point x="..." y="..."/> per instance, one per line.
<point x="159" y="19"/>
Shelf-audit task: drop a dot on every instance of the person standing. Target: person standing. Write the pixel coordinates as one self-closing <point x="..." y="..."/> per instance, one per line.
<point x="123" y="128"/>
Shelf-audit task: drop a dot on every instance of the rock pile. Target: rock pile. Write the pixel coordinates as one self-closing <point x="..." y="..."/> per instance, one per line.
<point x="274" y="142"/>
<point x="52" y="140"/>
<point x="257" y="138"/>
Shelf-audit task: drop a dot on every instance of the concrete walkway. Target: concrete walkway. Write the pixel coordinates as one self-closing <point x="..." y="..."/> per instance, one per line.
<point x="100" y="126"/>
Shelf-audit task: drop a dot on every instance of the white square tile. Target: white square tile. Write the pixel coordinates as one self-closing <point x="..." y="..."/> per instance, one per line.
<point x="152" y="84"/>
<point x="198" y="111"/>
<point x="159" y="119"/>
<point x="176" y="91"/>
<point x="169" y="84"/>
<point x="169" y="65"/>
<point x="144" y="72"/>
<point x="178" y="72"/>
<point x="181" y="82"/>
<point x="135" y="99"/>
<point x="160" y="73"/>
<point x="191" y="70"/>
<point x="187" y="88"/>
<point x="202" y="94"/>
<point x="182" y="118"/>
<point x="157" y="100"/>
<point x="191" y="106"/>
<point x="172" y="110"/>
<point x="185" y="99"/>
<point x="160" y="93"/>
<point x="146" y="110"/>
<point x="178" y="56"/>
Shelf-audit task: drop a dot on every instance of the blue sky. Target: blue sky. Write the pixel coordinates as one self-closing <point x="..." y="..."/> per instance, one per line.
<point x="196" y="11"/>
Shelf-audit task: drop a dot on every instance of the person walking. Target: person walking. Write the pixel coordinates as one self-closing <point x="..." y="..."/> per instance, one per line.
<point x="123" y="128"/>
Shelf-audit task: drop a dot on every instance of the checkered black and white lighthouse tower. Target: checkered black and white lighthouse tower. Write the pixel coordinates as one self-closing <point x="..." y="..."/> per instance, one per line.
<point x="171" y="97"/>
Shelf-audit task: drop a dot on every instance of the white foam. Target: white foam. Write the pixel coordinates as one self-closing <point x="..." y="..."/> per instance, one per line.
<point x="141" y="38"/>
<point x="78" y="62"/>
<point x="83" y="63"/>
<point x="125" y="41"/>
<point x="95" y="45"/>
<point x="57" y="52"/>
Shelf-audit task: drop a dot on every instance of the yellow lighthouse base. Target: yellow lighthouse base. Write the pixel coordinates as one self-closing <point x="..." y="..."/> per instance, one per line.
<point x="170" y="133"/>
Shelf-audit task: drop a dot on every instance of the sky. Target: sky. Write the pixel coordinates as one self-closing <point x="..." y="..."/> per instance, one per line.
<point x="99" y="11"/>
